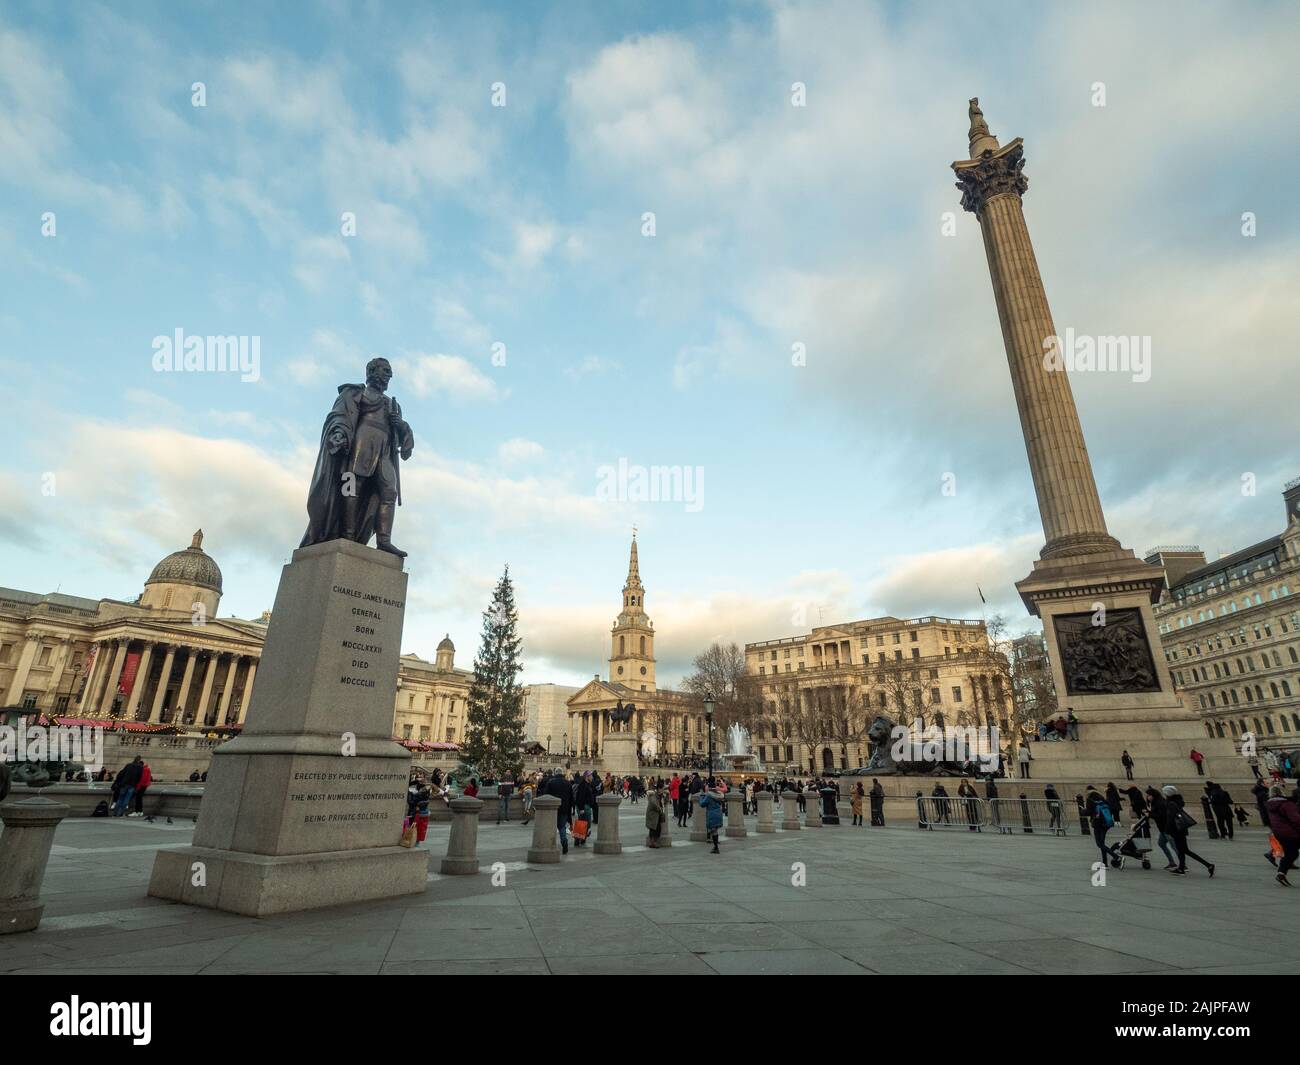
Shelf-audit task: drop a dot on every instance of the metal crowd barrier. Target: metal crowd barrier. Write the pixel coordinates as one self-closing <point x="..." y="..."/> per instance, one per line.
<point x="1051" y="816"/>
<point x="952" y="812"/>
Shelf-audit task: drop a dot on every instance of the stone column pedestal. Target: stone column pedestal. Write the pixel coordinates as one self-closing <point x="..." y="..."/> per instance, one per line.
<point x="699" y="821"/>
<point x="546" y="833"/>
<point x="607" y="841"/>
<point x="736" y="814"/>
<point x="812" y="810"/>
<point x="462" y="844"/>
<point x="764" y="800"/>
<point x="24" y="853"/>
<point x="790" y="806"/>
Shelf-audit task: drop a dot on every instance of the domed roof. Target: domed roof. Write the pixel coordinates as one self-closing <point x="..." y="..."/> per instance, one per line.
<point x="446" y="644"/>
<point x="191" y="566"/>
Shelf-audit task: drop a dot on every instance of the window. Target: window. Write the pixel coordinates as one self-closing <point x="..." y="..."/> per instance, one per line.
<point x="897" y="637"/>
<point x="913" y="635"/>
<point x="956" y="693"/>
<point x="916" y="652"/>
<point x="880" y="639"/>
<point x="406" y="731"/>
<point x="934" y="696"/>
<point x="898" y="656"/>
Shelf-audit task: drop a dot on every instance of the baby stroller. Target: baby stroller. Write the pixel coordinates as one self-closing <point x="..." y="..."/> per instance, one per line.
<point x="1137" y="844"/>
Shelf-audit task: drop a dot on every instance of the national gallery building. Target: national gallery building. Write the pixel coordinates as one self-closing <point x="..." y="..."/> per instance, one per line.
<point x="168" y="659"/>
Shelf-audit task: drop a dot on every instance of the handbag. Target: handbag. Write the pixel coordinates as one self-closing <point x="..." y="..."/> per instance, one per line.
<point x="408" y="837"/>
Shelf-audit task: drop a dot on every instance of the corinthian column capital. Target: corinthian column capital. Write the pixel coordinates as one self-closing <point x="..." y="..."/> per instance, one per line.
<point x="993" y="173"/>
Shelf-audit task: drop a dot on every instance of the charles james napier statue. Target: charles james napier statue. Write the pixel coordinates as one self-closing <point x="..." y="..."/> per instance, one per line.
<point x="357" y="484"/>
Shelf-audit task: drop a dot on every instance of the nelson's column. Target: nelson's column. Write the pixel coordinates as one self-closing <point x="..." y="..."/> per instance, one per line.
<point x="1093" y="594"/>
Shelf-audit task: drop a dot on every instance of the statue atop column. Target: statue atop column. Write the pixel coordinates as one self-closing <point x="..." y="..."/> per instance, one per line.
<point x="357" y="486"/>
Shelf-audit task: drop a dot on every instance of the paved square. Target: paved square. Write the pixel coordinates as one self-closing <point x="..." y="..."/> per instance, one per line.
<point x="876" y="901"/>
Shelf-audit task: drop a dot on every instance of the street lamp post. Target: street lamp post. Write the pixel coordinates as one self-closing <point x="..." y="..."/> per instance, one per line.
<point x="708" y="716"/>
<point x="548" y="744"/>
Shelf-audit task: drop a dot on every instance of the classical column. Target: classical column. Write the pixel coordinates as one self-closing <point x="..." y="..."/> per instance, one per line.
<point x="92" y="678"/>
<point x="140" y="682"/>
<point x="248" y="693"/>
<point x="155" y="711"/>
<point x="228" y="690"/>
<point x="992" y="185"/>
<point x="30" y="649"/>
<point x="60" y="666"/>
<point x="190" y="658"/>
<point x="114" y="675"/>
<point x="209" y="675"/>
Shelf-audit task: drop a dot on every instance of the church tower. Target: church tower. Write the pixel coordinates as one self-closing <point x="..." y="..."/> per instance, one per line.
<point x="632" y="641"/>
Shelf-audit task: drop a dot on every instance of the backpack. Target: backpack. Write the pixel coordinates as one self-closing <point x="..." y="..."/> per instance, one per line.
<point x="1102" y="812"/>
<point x="101" y="810"/>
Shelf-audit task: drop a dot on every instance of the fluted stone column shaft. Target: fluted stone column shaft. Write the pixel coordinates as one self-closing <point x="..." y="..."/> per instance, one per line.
<point x="764" y="800"/>
<point x="114" y="676"/>
<point x="141" y="680"/>
<point x="790" y="805"/>
<point x="51" y="694"/>
<point x="736" y="814"/>
<point x="699" y="821"/>
<point x="31" y="648"/>
<point x="29" y="828"/>
<point x="187" y="678"/>
<point x="812" y="809"/>
<point x="205" y="696"/>
<point x="607" y="841"/>
<point x="155" y="711"/>
<point x="462" y="843"/>
<point x="92" y="679"/>
<point x="247" y="696"/>
<point x="228" y="689"/>
<point x="546" y="840"/>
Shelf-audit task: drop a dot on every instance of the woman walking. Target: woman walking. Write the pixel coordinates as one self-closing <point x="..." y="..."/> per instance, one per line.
<point x="711" y="800"/>
<point x="855" y="803"/>
<point x="1177" y="822"/>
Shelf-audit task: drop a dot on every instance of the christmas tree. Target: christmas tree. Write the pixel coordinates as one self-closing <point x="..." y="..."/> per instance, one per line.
<point x="494" y="725"/>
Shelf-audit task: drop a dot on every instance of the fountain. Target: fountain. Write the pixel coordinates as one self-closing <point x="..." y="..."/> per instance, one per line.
<point x="739" y="757"/>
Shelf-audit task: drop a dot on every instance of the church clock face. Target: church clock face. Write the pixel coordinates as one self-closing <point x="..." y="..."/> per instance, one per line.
<point x="643" y="671"/>
<point x="620" y="671"/>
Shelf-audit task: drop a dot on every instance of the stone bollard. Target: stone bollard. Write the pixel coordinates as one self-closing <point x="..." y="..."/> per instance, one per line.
<point x="813" y="810"/>
<point x="546" y="840"/>
<point x="462" y="844"/>
<point x="764" y="800"/>
<point x="666" y="831"/>
<point x="607" y="841"/>
<point x="24" y="853"/>
<point x="790" y="803"/>
<point x="699" y="821"/>
<point x="736" y="814"/>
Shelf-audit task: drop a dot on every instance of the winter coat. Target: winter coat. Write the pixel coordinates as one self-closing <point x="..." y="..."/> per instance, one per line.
<point x="129" y="775"/>
<point x="1284" y="820"/>
<point x="675" y="788"/>
<point x="713" y="805"/>
<point x="855" y="804"/>
<point x="654" y="811"/>
<point x="146" y="777"/>
<point x="558" y="787"/>
<point x="585" y="794"/>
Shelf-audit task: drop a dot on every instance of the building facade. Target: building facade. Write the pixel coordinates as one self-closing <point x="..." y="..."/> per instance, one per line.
<point x="666" y="722"/>
<point x="167" y="658"/>
<point x="1230" y="632"/>
<point x="546" y="714"/>
<point x="819" y="692"/>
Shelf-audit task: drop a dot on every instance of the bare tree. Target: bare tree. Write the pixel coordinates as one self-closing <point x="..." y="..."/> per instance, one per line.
<point x="720" y="669"/>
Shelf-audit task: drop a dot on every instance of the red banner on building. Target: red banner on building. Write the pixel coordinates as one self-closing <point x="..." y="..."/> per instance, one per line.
<point x="129" y="669"/>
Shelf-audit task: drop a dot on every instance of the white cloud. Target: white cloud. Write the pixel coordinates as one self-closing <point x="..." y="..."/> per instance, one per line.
<point x="428" y="375"/>
<point x="518" y="449"/>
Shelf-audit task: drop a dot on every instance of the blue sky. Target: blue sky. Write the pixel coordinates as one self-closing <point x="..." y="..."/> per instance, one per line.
<point x="522" y="226"/>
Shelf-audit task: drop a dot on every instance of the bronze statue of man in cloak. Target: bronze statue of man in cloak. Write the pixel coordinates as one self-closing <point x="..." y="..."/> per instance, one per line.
<point x="357" y="483"/>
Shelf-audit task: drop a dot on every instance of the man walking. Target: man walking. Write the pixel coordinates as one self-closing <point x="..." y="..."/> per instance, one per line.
<point x="1221" y="805"/>
<point x="1025" y="758"/>
<point x="504" y="790"/>
<point x="1126" y="760"/>
<point x="1284" y="820"/>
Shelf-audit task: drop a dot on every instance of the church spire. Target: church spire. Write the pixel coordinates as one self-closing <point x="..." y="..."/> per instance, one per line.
<point x="633" y="567"/>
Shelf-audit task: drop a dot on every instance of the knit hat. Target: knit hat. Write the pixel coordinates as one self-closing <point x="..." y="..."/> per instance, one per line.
<point x="1169" y="790"/>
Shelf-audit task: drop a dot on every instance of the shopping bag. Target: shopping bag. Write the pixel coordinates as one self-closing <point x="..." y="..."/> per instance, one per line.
<point x="1275" y="845"/>
<point x="580" y="829"/>
<point x="408" y="837"/>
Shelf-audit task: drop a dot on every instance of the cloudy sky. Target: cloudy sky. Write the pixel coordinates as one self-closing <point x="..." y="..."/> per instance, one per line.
<point x="539" y="332"/>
